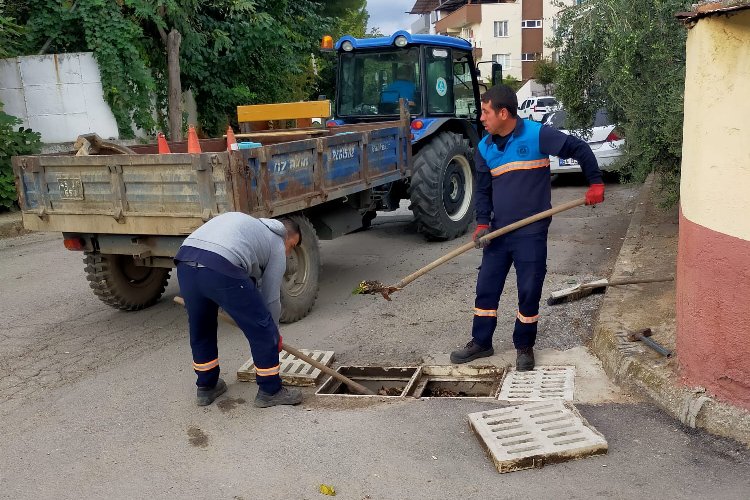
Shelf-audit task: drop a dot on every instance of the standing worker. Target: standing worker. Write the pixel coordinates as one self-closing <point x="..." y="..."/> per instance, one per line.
<point x="237" y="262"/>
<point x="513" y="182"/>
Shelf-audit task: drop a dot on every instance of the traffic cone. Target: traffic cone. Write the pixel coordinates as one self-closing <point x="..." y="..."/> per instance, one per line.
<point x="163" y="145"/>
<point x="193" y="145"/>
<point x="231" y="141"/>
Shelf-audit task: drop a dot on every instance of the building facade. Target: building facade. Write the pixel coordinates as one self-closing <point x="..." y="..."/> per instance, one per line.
<point x="713" y="260"/>
<point x="511" y="32"/>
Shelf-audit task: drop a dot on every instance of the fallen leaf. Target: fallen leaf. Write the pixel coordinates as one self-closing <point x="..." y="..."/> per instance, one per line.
<point x="327" y="490"/>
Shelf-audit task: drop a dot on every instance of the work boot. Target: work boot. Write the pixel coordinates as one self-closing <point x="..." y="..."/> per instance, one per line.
<point x="471" y="352"/>
<point x="285" y="396"/>
<point x="206" y="396"/>
<point x="525" y="359"/>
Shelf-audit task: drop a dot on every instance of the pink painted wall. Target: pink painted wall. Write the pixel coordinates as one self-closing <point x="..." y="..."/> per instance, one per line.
<point x="713" y="311"/>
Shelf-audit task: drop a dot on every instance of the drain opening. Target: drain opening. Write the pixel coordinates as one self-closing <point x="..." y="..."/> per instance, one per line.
<point x="383" y="381"/>
<point x="459" y="388"/>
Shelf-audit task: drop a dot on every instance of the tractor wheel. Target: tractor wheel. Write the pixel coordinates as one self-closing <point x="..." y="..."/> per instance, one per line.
<point x="442" y="187"/>
<point x="299" y="288"/>
<point x="119" y="283"/>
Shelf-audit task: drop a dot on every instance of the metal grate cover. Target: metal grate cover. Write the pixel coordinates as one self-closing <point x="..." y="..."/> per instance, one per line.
<point x="541" y="384"/>
<point x="293" y="371"/>
<point x="532" y="435"/>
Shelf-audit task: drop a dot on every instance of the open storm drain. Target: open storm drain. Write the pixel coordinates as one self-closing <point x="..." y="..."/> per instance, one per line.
<point x="419" y="382"/>
<point x="389" y="381"/>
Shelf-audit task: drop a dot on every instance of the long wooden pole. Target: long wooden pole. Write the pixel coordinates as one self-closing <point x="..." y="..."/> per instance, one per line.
<point x="491" y="236"/>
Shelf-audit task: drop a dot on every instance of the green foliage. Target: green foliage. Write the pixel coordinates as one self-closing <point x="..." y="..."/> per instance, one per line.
<point x="10" y="34"/>
<point x="21" y="141"/>
<point x="545" y="72"/>
<point x="513" y="83"/>
<point x="627" y="56"/>
<point x="233" y="52"/>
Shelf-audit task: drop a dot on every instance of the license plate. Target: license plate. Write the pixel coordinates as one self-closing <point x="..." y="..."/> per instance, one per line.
<point x="567" y="163"/>
<point x="71" y="188"/>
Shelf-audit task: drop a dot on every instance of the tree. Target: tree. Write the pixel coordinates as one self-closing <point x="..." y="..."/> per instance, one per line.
<point x="627" y="56"/>
<point x="229" y="52"/>
<point x="545" y="72"/>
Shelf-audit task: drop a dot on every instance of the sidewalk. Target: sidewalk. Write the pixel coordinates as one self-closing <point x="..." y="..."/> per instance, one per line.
<point x="650" y="250"/>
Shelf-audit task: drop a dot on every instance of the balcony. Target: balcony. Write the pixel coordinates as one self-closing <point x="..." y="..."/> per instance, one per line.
<point x="465" y="16"/>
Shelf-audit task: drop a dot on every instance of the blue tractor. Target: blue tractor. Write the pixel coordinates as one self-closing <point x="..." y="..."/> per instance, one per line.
<point x="437" y="77"/>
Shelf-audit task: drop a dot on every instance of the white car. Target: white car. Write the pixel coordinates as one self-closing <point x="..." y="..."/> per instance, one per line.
<point x="605" y="141"/>
<point x="534" y="108"/>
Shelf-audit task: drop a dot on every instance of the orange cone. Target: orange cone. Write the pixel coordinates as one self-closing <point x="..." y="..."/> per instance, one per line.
<point x="230" y="139"/>
<point x="193" y="145"/>
<point x="163" y="145"/>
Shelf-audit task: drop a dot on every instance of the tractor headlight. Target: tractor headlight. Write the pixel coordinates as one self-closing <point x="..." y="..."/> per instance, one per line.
<point x="400" y="41"/>
<point x="347" y="46"/>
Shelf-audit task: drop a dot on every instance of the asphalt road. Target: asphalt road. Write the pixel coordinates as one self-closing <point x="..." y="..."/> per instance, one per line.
<point x="97" y="403"/>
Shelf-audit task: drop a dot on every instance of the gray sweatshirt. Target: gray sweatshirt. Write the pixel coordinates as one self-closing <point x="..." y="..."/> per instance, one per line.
<point x="255" y="245"/>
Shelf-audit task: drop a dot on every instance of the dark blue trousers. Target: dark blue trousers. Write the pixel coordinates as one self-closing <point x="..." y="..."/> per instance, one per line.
<point x="205" y="291"/>
<point x="528" y="254"/>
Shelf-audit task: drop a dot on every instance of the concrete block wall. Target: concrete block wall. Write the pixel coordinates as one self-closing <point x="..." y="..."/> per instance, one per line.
<point x="59" y="95"/>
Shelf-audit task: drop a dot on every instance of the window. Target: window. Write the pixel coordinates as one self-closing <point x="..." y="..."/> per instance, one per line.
<point x="503" y="59"/>
<point x="373" y="83"/>
<point x="537" y="23"/>
<point x="501" y="29"/>
<point x="530" y="56"/>
<point x="439" y="72"/>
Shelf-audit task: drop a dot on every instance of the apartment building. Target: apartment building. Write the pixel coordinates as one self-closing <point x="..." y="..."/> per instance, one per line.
<point x="511" y="32"/>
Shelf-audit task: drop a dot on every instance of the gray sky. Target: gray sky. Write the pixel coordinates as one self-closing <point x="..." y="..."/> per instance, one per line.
<point x="389" y="15"/>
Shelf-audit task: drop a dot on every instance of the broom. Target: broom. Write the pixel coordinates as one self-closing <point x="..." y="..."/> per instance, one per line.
<point x="578" y="292"/>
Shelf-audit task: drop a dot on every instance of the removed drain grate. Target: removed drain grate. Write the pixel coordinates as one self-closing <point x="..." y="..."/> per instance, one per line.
<point x="535" y="434"/>
<point x="293" y="371"/>
<point x="457" y="382"/>
<point x="385" y="381"/>
<point x="541" y="384"/>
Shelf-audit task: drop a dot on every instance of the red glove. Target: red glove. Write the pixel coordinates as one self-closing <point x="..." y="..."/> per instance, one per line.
<point x="481" y="230"/>
<point x="281" y="342"/>
<point x="595" y="194"/>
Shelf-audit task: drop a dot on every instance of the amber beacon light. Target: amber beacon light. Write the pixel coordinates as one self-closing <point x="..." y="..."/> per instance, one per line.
<point x="327" y="42"/>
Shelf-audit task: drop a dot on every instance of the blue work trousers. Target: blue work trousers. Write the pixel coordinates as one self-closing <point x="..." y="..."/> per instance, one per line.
<point x="528" y="254"/>
<point x="205" y="291"/>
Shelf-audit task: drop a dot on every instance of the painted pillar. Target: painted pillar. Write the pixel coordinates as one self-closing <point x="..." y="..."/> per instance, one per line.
<point x="713" y="268"/>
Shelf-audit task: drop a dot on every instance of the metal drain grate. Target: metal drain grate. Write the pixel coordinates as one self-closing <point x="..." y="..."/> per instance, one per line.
<point x="293" y="371"/>
<point x="535" y="434"/>
<point x="541" y="384"/>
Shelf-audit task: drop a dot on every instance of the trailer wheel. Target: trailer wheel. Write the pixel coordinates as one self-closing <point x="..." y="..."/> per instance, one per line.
<point x="119" y="283"/>
<point x="442" y="187"/>
<point x="299" y="288"/>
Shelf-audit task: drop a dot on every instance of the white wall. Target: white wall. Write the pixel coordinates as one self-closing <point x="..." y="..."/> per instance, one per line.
<point x="60" y="96"/>
<point x="550" y="13"/>
<point x="485" y="33"/>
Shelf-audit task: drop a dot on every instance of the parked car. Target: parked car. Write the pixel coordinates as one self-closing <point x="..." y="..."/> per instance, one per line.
<point x="534" y="108"/>
<point x="605" y="141"/>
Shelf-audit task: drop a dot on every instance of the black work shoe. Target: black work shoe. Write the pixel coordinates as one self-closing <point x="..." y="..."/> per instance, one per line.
<point x="525" y="359"/>
<point x="284" y="397"/>
<point x="471" y="352"/>
<point x="207" y="396"/>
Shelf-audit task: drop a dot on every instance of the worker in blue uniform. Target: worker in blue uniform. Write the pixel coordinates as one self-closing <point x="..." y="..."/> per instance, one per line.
<point x="237" y="262"/>
<point x="513" y="182"/>
<point x="401" y="88"/>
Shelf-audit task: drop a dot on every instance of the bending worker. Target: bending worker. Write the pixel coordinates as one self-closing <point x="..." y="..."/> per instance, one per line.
<point x="513" y="182"/>
<point x="237" y="262"/>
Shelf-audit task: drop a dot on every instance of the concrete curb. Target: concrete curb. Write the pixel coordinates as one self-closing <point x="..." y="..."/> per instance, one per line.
<point x="658" y="381"/>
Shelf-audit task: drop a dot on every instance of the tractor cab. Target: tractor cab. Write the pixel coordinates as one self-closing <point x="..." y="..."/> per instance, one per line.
<point x="436" y="75"/>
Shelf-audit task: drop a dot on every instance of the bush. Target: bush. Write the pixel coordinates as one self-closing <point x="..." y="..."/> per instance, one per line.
<point x="22" y="141"/>
<point x="627" y="56"/>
